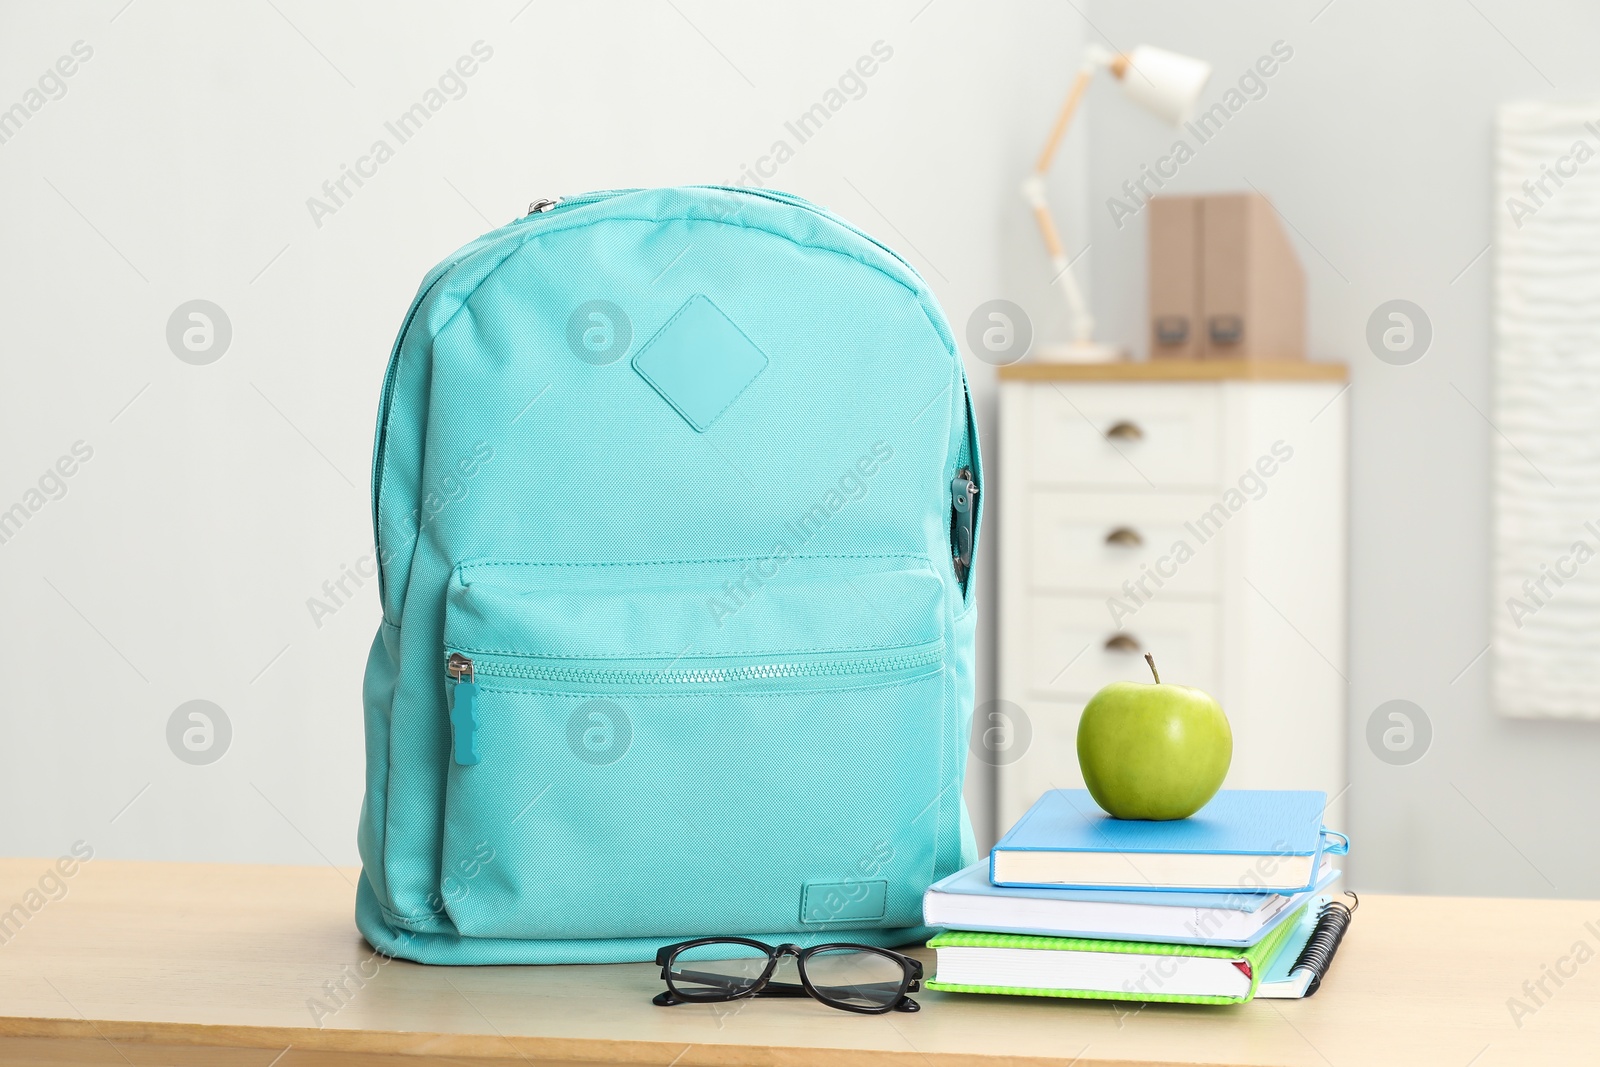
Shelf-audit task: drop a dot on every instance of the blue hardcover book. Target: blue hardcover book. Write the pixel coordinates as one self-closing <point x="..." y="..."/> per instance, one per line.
<point x="1244" y="840"/>
<point x="967" y="900"/>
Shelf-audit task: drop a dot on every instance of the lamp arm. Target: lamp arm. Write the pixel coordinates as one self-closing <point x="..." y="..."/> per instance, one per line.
<point x="1094" y="58"/>
<point x="1082" y="321"/>
<point x="1069" y="108"/>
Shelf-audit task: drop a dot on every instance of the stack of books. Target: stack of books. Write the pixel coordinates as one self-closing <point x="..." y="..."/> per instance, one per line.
<point x="1218" y="908"/>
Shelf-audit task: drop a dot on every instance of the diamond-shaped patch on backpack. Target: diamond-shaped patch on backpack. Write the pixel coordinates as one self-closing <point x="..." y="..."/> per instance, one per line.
<point x="700" y="362"/>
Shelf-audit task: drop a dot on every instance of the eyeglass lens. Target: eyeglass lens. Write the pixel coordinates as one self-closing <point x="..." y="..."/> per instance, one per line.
<point x="858" y="978"/>
<point x="718" y="970"/>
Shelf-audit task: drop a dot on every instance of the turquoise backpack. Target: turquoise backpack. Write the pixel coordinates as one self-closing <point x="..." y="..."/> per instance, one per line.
<point x="675" y="495"/>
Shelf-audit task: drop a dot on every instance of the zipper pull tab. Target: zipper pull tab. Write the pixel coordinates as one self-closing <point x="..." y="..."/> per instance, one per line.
<point x="540" y="206"/>
<point x="463" y="710"/>
<point x="964" y="506"/>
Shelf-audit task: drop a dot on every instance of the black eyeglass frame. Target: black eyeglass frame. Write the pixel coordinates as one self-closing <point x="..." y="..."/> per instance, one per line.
<point x="764" y="986"/>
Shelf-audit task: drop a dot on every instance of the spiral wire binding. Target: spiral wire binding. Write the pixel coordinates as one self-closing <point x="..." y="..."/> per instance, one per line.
<point x="1332" y="921"/>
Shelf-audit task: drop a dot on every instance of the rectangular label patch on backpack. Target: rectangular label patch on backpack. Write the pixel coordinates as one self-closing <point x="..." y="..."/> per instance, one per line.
<point x="834" y="902"/>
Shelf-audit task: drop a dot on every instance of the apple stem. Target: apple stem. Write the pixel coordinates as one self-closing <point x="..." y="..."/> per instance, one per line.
<point x="1148" y="658"/>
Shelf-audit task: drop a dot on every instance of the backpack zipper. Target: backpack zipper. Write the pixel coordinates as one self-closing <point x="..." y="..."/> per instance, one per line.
<point x="459" y="666"/>
<point x="545" y="205"/>
<point x="963" y="508"/>
<point x="801" y="202"/>
<point x="464" y="710"/>
<point x="464" y="671"/>
<point x="964" y="490"/>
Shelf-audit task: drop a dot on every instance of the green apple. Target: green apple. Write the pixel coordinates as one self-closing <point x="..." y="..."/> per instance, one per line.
<point x="1153" y="751"/>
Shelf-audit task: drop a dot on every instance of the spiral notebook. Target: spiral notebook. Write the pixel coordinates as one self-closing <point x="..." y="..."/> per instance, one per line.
<point x="1300" y="965"/>
<point x="1288" y="964"/>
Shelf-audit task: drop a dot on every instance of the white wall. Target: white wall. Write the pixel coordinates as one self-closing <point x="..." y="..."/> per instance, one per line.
<point x="219" y="498"/>
<point x="1374" y="141"/>
<point x="177" y="166"/>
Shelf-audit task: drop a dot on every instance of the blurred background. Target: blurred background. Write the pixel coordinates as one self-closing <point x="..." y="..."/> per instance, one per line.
<point x="212" y="541"/>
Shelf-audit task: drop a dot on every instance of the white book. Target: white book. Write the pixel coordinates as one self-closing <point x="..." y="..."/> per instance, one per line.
<point x="968" y="901"/>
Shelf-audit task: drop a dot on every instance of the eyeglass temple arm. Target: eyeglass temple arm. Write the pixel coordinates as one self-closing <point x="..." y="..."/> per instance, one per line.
<point x="784" y="989"/>
<point x="771" y="989"/>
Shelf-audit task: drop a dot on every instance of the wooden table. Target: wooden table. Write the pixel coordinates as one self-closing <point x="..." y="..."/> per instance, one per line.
<point x="147" y="963"/>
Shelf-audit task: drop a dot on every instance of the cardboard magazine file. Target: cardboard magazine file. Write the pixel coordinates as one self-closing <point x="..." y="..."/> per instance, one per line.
<point x="1225" y="282"/>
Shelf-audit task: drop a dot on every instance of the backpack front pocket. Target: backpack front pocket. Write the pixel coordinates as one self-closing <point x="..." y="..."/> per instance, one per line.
<point x="708" y="747"/>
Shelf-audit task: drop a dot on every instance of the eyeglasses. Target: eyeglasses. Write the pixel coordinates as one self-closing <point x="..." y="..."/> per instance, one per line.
<point x="858" y="978"/>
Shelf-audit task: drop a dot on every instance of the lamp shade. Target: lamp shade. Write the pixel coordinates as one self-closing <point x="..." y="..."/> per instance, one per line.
<point x="1164" y="83"/>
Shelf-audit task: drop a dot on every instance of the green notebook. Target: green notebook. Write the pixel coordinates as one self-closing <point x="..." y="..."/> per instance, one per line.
<point x="1024" y="965"/>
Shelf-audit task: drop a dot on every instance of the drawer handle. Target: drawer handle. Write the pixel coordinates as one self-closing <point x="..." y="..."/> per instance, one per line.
<point x="1122" y="643"/>
<point x="1125" y="536"/>
<point x="1125" y="431"/>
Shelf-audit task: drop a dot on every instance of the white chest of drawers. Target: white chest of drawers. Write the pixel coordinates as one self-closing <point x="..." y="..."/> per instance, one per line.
<point x="1193" y="510"/>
